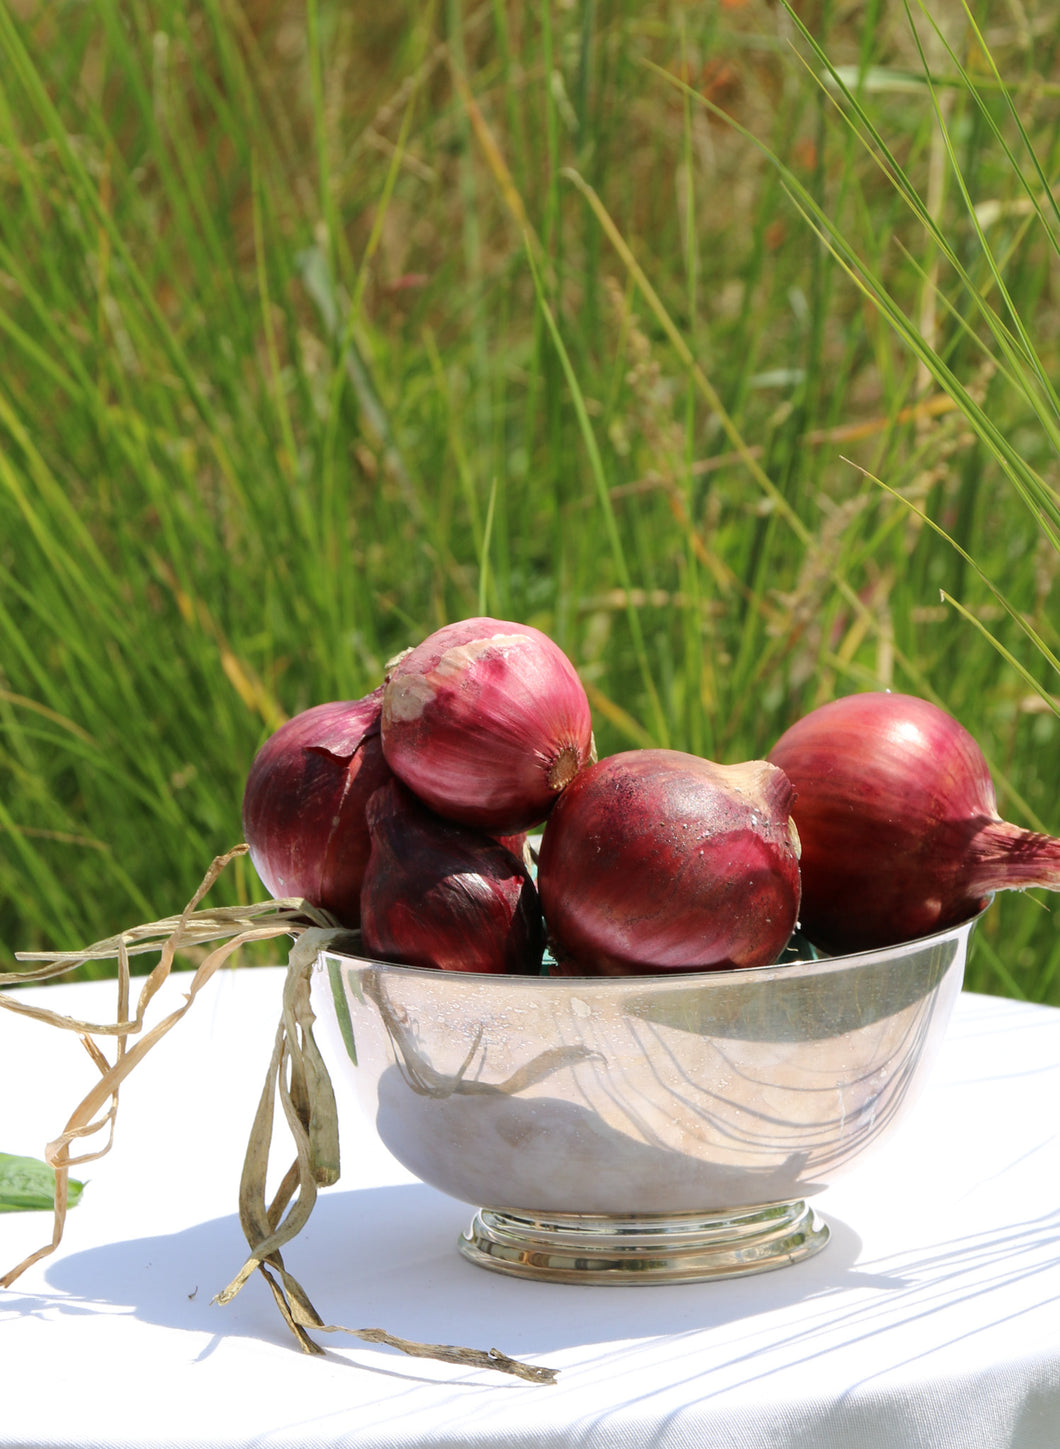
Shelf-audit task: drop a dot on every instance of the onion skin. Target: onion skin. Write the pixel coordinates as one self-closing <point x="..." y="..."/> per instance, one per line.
<point x="486" y="721"/>
<point x="304" y="804"/>
<point x="657" y="861"/>
<point x="520" y="847"/>
<point x="443" y="895"/>
<point x="898" y="819"/>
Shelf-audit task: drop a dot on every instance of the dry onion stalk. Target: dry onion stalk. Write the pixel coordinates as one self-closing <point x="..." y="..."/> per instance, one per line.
<point x="296" y="1073"/>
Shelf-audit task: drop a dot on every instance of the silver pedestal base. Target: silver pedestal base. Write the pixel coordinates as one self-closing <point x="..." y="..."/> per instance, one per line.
<point x="672" y="1248"/>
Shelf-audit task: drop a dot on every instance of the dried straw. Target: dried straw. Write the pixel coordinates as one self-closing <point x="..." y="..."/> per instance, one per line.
<point x="297" y="1074"/>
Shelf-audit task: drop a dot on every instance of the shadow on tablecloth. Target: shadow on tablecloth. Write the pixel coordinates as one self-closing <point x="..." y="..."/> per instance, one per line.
<point x="387" y="1257"/>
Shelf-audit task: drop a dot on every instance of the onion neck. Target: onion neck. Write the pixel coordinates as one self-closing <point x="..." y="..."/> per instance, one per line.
<point x="764" y="782"/>
<point x="1007" y="857"/>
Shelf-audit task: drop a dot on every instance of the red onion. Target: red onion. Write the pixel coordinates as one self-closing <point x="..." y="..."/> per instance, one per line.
<point x="441" y="894"/>
<point x="655" y="861"/>
<point x="487" y="721"/>
<point x="304" y="801"/>
<point x="899" y="825"/>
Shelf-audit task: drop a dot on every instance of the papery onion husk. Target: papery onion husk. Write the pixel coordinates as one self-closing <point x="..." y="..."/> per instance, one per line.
<point x="304" y="801"/>
<point x="520" y="847"/>
<point x="655" y="860"/>
<point x="898" y="819"/>
<point x="487" y="722"/>
<point x="440" y="894"/>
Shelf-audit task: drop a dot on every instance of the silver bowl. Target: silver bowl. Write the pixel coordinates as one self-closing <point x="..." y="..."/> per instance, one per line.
<point x="644" y="1128"/>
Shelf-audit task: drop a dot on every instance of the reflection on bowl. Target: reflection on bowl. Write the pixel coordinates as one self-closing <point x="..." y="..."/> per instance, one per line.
<point x="641" y="1129"/>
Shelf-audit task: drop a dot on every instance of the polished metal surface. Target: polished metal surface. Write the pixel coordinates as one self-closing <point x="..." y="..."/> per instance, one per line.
<point x="655" y="1248"/>
<point x="630" y="1106"/>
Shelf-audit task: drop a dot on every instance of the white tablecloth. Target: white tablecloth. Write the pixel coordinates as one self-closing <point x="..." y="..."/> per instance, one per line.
<point x="931" y="1319"/>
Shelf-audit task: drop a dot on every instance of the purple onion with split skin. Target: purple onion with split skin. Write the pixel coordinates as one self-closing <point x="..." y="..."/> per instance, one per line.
<point x="304" y="804"/>
<point x="487" y="722"/>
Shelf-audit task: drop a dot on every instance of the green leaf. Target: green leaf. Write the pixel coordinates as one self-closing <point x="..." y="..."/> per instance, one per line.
<point x="27" y="1185"/>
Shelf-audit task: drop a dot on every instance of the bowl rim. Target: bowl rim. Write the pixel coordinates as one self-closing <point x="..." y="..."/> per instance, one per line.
<point x="717" y="978"/>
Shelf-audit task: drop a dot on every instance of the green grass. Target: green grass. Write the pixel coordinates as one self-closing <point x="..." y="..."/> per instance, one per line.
<point x="718" y="342"/>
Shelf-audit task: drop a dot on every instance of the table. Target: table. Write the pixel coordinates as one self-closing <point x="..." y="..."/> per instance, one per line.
<point x="931" y="1319"/>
